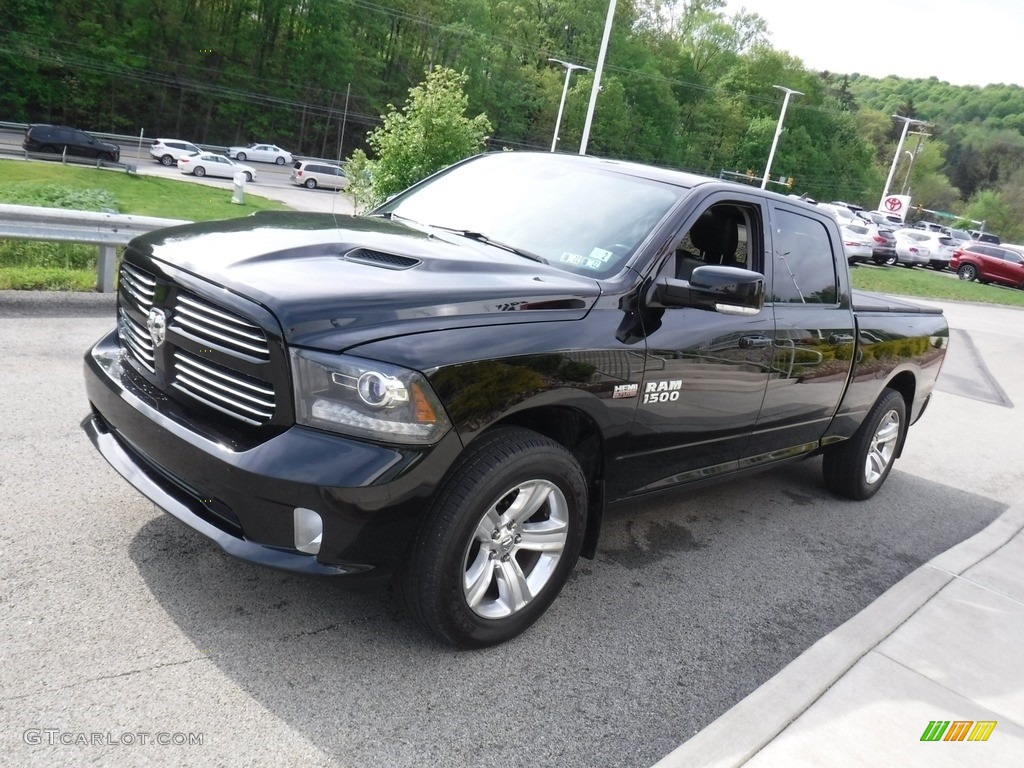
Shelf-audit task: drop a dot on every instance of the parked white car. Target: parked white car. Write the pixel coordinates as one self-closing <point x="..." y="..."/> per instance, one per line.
<point x="170" y="151"/>
<point x="262" y="153"/>
<point x="857" y="242"/>
<point x="912" y="247"/>
<point x="211" y="164"/>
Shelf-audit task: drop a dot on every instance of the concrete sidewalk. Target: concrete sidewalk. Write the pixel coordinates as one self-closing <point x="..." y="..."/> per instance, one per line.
<point x="943" y="644"/>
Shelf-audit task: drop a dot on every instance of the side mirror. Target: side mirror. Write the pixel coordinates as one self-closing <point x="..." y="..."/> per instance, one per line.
<point x="729" y="290"/>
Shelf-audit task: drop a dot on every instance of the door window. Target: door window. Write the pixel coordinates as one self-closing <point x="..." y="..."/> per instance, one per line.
<point x="804" y="268"/>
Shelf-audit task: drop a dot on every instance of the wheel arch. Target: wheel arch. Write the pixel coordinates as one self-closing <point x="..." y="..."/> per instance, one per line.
<point x="579" y="433"/>
<point x="905" y="383"/>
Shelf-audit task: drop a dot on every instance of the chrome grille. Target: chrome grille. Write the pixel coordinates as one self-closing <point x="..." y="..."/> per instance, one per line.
<point x="137" y="285"/>
<point x="136" y="340"/>
<point x="243" y="397"/>
<point x="213" y="325"/>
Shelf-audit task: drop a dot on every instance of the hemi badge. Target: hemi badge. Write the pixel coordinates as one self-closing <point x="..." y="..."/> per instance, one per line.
<point x="625" y="390"/>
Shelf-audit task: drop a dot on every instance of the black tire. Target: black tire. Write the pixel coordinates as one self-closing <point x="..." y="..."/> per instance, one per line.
<point x="49" y="148"/>
<point x="279" y="161"/>
<point x="167" y="160"/>
<point x="938" y="267"/>
<point x="967" y="272"/>
<point x="199" y="171"/>
<point x="240" y="156"/>
<point x="857" y="468"/>
<point x="310" y="184"/>
<point x="470" y="580"/>
<point x="890" y="261"/>
<point x="248" y="176"/>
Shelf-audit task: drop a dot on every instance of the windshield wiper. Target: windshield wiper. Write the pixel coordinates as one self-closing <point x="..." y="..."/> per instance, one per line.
<point x="480" y="237"/>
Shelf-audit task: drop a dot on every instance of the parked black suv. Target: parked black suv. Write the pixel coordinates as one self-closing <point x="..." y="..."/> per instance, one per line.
<point x="63" y="140"/>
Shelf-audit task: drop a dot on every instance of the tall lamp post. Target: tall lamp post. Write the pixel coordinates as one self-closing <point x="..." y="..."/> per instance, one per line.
<point x="596" y="87"/>
<point x="565" y="89"/>
<point x="778" y="131"/>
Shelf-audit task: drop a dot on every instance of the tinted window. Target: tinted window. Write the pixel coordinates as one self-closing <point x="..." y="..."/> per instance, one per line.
<point x="804" y="268"/>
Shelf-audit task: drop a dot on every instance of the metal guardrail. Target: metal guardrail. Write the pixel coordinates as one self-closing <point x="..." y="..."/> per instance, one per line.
<point x="55" y="225"/>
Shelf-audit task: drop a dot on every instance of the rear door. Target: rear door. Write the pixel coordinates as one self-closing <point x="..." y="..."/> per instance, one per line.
<point x="814" y="338"/>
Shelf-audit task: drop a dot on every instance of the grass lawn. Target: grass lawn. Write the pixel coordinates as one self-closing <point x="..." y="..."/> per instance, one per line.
<point x="31" y="265"/>
<point x="926" y="283"/>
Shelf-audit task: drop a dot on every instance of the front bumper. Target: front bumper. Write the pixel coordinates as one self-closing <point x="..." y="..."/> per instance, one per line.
<point x="370" y="497"/>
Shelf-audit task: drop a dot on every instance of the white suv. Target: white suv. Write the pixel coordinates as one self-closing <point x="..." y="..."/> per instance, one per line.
<point x="170" y="151"/>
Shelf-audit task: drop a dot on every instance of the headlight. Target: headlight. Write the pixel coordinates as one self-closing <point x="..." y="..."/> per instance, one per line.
<point x="365" y="398"/>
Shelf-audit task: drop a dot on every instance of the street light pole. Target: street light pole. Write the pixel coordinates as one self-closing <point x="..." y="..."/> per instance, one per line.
<point x="597" y="77"/>
<point x="899" y="149"/>
<point x="778" y="131"/>
<point x="910" y="167"/>
<point x="565" y="90"/>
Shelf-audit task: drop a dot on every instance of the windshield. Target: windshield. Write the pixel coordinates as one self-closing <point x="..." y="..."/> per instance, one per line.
<point x="576" y="215"/>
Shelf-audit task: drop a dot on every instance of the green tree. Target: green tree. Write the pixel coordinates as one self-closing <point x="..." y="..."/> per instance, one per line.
<point x="431" y="133"/>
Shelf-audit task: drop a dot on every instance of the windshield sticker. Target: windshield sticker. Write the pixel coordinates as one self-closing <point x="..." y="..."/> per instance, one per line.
<point x="601" y="254"/>
<point x="581" y="261"/>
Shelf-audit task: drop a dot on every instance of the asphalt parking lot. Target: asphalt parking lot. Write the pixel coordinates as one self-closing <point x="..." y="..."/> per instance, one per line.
<point x="123" y="627"/>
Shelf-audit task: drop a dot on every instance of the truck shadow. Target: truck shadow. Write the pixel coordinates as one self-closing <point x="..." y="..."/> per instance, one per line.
<point x="693" y="601"/>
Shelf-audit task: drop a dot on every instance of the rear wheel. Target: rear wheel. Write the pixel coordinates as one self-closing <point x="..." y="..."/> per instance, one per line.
<point x="967" y="272"/>
<point x="167" y="160"/>
<point x="199" y="171"/>
<point x="499" y="541"/>
<point x="280" y="161"/>
<point x="890" y="261"/>
<point x="311" y="183"/>
<point x="857" y="467"/>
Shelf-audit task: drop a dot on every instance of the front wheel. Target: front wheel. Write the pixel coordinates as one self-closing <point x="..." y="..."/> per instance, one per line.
<point x="499" y="541"/>
<point x="248" y="176"/>
<point x="199" y="171"/>
<point x="240" y="156"/>
<point x="857" y="467"/>
<point x="967" y="272"/>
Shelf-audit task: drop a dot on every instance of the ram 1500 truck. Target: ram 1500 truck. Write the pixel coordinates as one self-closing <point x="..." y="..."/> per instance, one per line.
<point x="445" y="394"/>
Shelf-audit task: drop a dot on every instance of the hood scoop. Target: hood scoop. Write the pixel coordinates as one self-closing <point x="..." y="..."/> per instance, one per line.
<point x="380" y="259"/>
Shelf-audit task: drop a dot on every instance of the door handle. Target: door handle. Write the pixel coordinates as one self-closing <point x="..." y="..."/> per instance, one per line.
<point x="840" y="338"/>
<point x="754" y="342"/>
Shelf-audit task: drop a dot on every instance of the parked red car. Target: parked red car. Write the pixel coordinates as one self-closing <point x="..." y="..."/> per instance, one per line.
<point x="989" y="264"/>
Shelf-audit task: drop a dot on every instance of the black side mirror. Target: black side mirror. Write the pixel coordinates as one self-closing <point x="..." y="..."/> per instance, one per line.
<point x="729" y="290"/>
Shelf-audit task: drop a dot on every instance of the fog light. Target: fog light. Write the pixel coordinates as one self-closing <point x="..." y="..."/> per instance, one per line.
<point x="309" y="530"/>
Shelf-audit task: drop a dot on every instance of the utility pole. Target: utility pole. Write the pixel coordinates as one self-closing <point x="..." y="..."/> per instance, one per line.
<point x="913" y="156"/>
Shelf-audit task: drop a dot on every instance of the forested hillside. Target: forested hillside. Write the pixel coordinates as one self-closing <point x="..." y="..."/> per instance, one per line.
<point x="685" y="85"/>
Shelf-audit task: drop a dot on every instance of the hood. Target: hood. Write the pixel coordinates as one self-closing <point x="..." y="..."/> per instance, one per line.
<point x="335" y="281"/>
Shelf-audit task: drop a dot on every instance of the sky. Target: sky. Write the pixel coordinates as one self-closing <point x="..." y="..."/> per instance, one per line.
<point x="964" y="42"/>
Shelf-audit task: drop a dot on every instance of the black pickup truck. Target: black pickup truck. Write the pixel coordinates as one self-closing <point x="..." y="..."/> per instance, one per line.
<point x="445" y="394"/>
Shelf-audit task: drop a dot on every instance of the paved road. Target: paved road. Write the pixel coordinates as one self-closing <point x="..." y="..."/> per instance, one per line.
<point x="122" y="623"/>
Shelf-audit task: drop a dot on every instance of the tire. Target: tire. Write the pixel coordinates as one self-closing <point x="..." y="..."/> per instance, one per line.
<point x="167" y="160"/>
<point x="967" y="272"/>
<point x="470" y="580"/>
<point x="310" y="184"/>
<point x="240" y="156"/>
<point x="248" y="176"/>
<point x="199" y="171"/>
<point x="938" y="267"/>
<point x="279" y="161"/>
<point x="891" y="261"/>
<point x="857" y="468"/>
<point x="49" y="148"/>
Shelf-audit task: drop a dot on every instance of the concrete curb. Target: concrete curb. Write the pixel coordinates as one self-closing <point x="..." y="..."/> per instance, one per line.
<point x="739" y="734"/>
